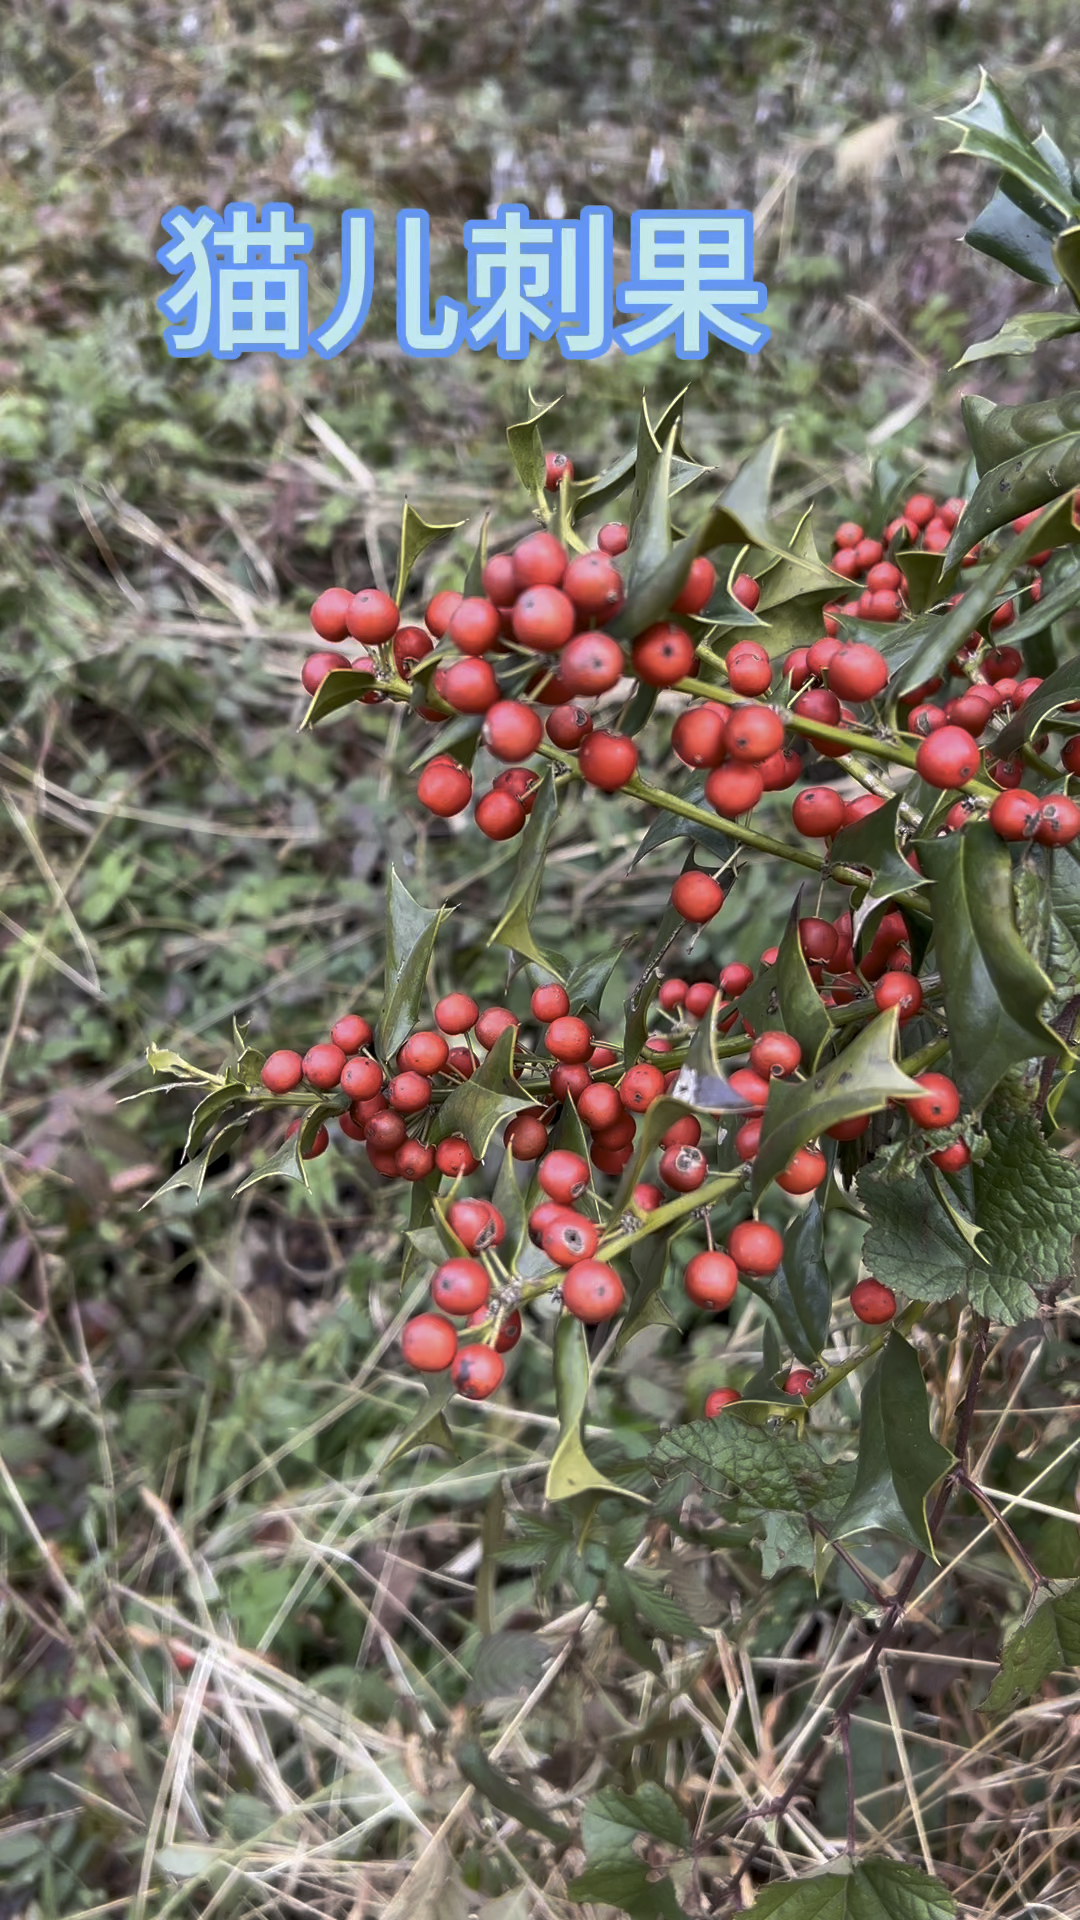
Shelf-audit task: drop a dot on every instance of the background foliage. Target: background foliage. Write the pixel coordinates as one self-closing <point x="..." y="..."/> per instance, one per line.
<point x="247" y="1658"/>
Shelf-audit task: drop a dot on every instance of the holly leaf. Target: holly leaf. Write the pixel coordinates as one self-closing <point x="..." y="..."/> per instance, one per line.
<point x="899" y="1463"/>
<point x="873" y="843"/>
<point x="872" y="1890"/>
<point x="416" y="536"/>
<point x="192" y="1174"/>
<point x="1059" y="687"/>
<point x="1049" y="1642"/>
<point x="992" y="986"/>
<point x="801" y="1013"/>
<point x="342" y="687"/>
<point x="428" y="1427"/>
<point x="799" y="1294"/>
<point x="585" y="983"/>
<point x="571" y="1471"/>
<point x="527" y="452"/>
<point x="410" y="942"/>
<point x="862" y="1079"/>
<point x="989" y="130"/>
<point x="673" y="826"/>
<point x="480" y="1106"/>
<point x="514" y="930"/>
<point x="1025" y="331"/>
<point x="1038" y="477"/>
<point x="1004" y="232"/>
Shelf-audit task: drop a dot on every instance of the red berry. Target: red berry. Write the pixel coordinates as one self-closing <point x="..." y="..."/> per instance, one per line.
<point x="947" y="758"/>
<point x="804" y="1171"/>
<point x="567" y="725"/>
<point x="550" y="1002"/>
<point x="385" y="1130"/>
<point x="698" y="735"/>
<point x="414" y="1160"/>
<point x="455" y="1157"/>
<point x="409" y="1092"/>
<point x="939" y="1104"/>
<point x="848" y="534"/>
<point x="699" y="998"/>
<point x="315" y="669"/>
<point x="526" y="1136"/>
<point x="697" y="896"/>
<point x="428" y="1343"/>
<point x="474" y="626"/>
<point x="775" y="1053"/>
<point x="614" y="537"/>
<point x="817" y="812"/>
<point x="411" y="644"/>
<point x="456" y="1013"/>
<point x="698" y="590"/>
<point x="522" y="782"/>
<point x="755" y="1247"/>
<point x="733" y="790"/>
<point x="509" y="1333"/>
<point x="539" y="561"/>
<point x="328" y="613"/>
<point x="477" y="1371"/>
<point x="872" y="1303"/>
<point x="492" y="1022"/>
<point x="460" y="1286"/>
<point x="351" y="1032"/>
<point x="711" y="1280"/>
<point x="423" y="1052"/>
<point x="543" y="619"/>
<point x="440" y="609"/>
<point x="372" y="616"/>
<point x="568" y="1038"/>
<point x="498" y="580"/>
<point x="749" y="668"/>
<point x="462" y="1062"/>
<point x="1059" y="821"/>
<point x="899" y="990"/>
<point x="748" y="1139"/>
<point x="799" y="1381"/>
<point x="599" y="1106"/>
<point x="849" y="1129"/>
<point x="323" y="1066"/>
<point x="639" y="1087"/>
<point x="718" y="1399"/>
<point x="607" y="760"/>
<point x="594" y="585"/>
<point x="592" y="1291"/>
<point x="563" y="1176"/>
<point x="282" y="1072"/>
<point x="952" y="1159"/>
<point x="747" y="592"/>
<point x="469" y="685"/>
<point x="683" y="1168"/>
<point x="569" y="1236"/>
<point x="662" y="655"/>
<point x="1015" y="814"/>
<point x="476" y="1223"/>
<point x="736" y="977"/>
<point x="319" y="1144"/>
<point x="557" y="468"/>
<point x="444" y="787"/>
<point x="499" y="815"/>
<point x="753" y="732"/>
<point x="591" y="663"/>
<point x="857" y="673"/>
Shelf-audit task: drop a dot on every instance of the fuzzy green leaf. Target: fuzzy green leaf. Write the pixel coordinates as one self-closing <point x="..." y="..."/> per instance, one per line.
<point x="873" y="1890"/>
<point x="1047" y="1643"/>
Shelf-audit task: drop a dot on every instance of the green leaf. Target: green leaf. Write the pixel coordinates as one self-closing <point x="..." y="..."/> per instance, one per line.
<point x="990" y="131"/>
<point x="416" y="536"/>
<point x="873" y="843"/>
<point x="507" y="1664"/>
<point x="799" y="1293"/>
<point x="649" y="554"/>
<point x="1047" y="1643"/>
<point x="164" y="1060"/>
<point x="760" y="1470"/>
<point x="1059" y="687"/>
<point x="1004" y="232"/>
<point x="209" y="1111"/>
<point x="1022" y="334"/>
<point x="873" y="1890"/>
<point x="1067" y="259"/>
<point x="900" y="1462"/>
<point x="571" y="1471"/>
<point x="993" y="988"/>
<point x="410" y="941"/>
<point x="922" y="578"/>
<point x="514" y="930"/>
<point x="646" y="1307"/>
<point x="480" y="1106"/>
<point x="741" y="511"/>
<point x="862" y="1079"/>
<point x="603" y="487"/>
<point x="192" y="1173"/>
<point x="527" y="452"/>
<point x="997" y="434"/>
<point x="428" y="1427"/>
<point x="612" y="1826"/>
<point x="1039" y="477"/>
<point x="341" y="688"/>
<point x="673" y="826"/>
<point x="585" y="983"/>
<point x="1061" y="592"/>
<point x="801" y="1013"/>
<point x="497" y="1787"/>
<point x="285" y="1162"/>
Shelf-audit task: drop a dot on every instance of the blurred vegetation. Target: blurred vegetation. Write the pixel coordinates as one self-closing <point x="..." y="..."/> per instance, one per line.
<point x="196" y="1413"/>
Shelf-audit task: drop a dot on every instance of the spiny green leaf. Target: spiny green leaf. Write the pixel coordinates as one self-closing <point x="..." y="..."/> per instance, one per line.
<point x="428" y="1427"/>
<point x="480" y="1106"/>
<point x="410" y="941"/>
<point x="571" y="1471"/>
<point x="993" y="988"/>
<point x="862" y="1079"/>
<point x="801" y="1013"/>
<point x="527" y="452"/>
<point x="1023" y="333"/>
<point x="1047" y="1643"/>
<point x="990" y="131"/>
<point x="1004" y="232"/>
<point x="1021" y="484"/>
<point x="873" y="843"/>
<point x="900" y="1462"/>
<point x="1057" y="690"/>
<point x="341" y="688"/>
<point x="799" y="1293"/>
<point x="514" y="929"/>
<point x="416" y="536"/>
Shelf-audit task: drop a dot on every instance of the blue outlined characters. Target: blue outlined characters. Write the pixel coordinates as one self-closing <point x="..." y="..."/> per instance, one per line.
<point x="242" y="282"/>
<point x="420" y="336"/>
<point x="514" y="264"/>
<point x="357" y="285"/>
<point x="690" y="273"/>
<point x="586" y="284"/>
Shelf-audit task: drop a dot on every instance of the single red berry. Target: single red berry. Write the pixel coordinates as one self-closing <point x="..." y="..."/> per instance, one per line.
<point x="567" y="725"/>
<point x="614" y="537"/>
<point x="899" y="990"/>
<point x="372" y="616"/>
<point x="857" y="672"/>
<point x="509" y="1333"/>
<point x="592" y="1291"/>
<point x="511" y="730"/>
<point x="476" y="1223"/>
<point x="477" y="1372"/>
<point x="799" y="1381"/>
<point x="753" y="732"/>
<point x="748" y="1139"/>
<point x="320" y="1140"/>
<point x="468" y="686"/>
<point x="599" y="1106"/>
<point x="848" y="534"/>
<point x="568" y="1237"/>
<point x="323" y="1066"/>
<point x="456" y="1013"/>
<point x="591" y="663"/>
<point x="672" y="994"/>
<point x="282" y="1071"/>
<point x="539" y="561"/>
<point x="439" y="610"/>
<point x="411" y="645"/>
<point x="316" y="667"/>
<point x="872" y="1303"/>
<point x="499" y="815"/>
<point x="414" y="1160"/>
<point x="749" y="668"/>
<point x="423" y="1052"/>
<point x="698" y="590"/>
<point x="594" y="585"/>
<point x="563" y="1176"/>
<point x="804" y="1171"/>
<point x="428" y="1343"/>
<point x="849" y="1129"/>
<point x="639" y="1087"/>
<point x="543" y="619"/>
<point x="328" y="613"/>
<point x="699" y="998"/>
<point x="939" y="1104"/>
<point x="711" y="1280"/>
<point x="550" y="1002"/>
<point x="351" y="1032"/>
<point x="818" y="939"/>
<point x="557" y="468"/>
<point x="775" y="1053"/>
<point x="568" y="1038"/>
<point x="568" y="1080"/>
<point x="462" y="1062"/>
<point x="972" y="711"/>
<point x="698" y="735"/>
<point x="751" y="1088"/>
<point x="1070" y="754"/>
<point x="846" y="564"/>
<point x="474" y="626"/>
<point x="697" y="896"/>
<point x="1059" y="821"/>
<point x="646" y="1197"/>
<point x="409" y="1092"/>
<point x="385" y="1130"/>
<point x="952" y="1159"/>
<point x="817" y="812"/>
<point x="492" y="1022"/>
<point x="499" y="581"/>
<point x="455" y="1157"/>
<point x="734" y="789"/>
<point x="522" y="782"/>
<point x="755" y="1247"/>
<point x="607" y="760"/>
<point x="947" y="758"/>
<point x="747" y="592"/>
<point x="460" y="1286"/>
<point x="662" y="655"/>
<point x="444" y="787"/>
<point x="868" y="553"/>
<point x="683" y="1133"/>
<point x="736" y="977"/>
<point x="526" y="1136"/>
<point x="718" y="1399"/>
<point x="683" y="1168"/>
